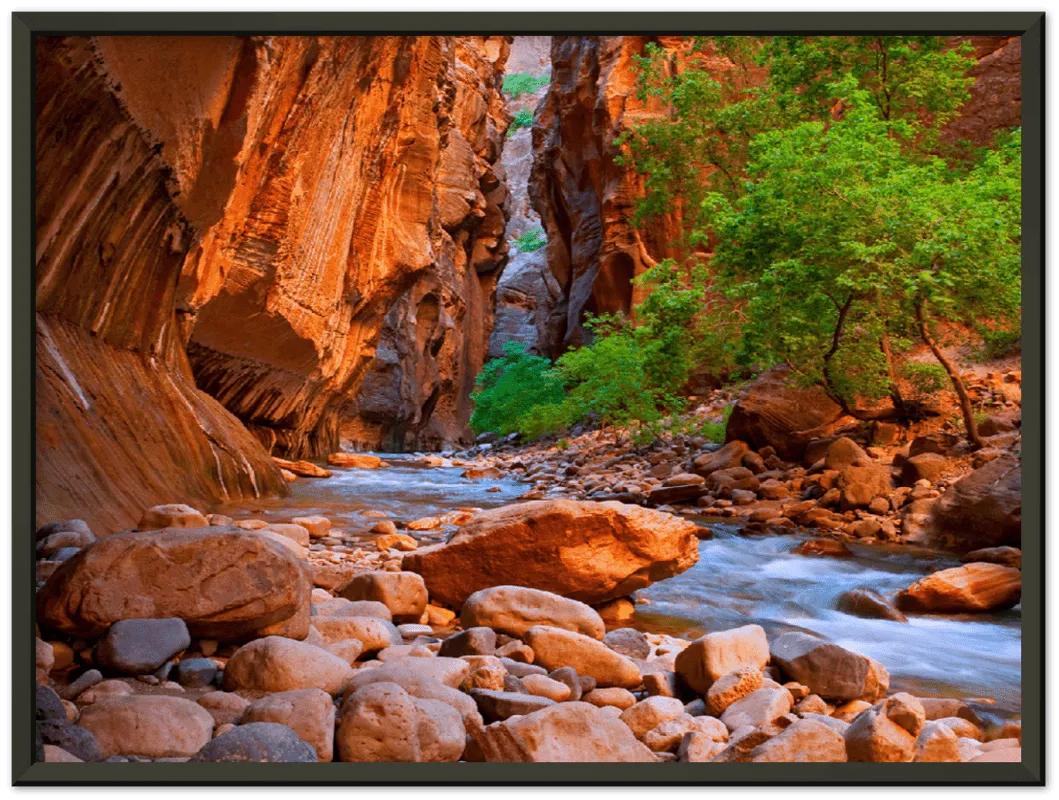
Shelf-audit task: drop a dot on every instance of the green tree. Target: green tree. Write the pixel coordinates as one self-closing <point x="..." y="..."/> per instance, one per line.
<point x="510" y="387"/>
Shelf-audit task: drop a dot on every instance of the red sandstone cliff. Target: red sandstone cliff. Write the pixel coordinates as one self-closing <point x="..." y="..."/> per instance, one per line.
<point x="264" y="206"/>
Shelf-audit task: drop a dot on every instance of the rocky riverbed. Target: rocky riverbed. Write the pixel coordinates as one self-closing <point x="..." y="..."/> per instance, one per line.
<point x="373" y="616"/>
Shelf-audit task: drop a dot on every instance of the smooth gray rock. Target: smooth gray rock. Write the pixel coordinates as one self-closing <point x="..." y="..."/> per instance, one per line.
<point x="257" y="742"/>
<point x="74" y="739"/>
<point x="629" y="642"/>
<point x="140" y="646"/>
<point x="196" y="673"/>
<point x="49" y="706"/>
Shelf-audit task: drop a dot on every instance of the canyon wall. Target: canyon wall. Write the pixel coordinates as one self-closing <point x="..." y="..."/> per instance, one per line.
<point x="251" y="221"/>
<point x="585" y="200"/>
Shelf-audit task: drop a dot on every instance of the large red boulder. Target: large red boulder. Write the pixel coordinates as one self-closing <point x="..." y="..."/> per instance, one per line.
<point x="983" y="509"/>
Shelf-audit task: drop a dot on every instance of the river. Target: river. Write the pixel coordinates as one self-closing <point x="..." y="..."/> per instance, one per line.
<point x="737" y="580"/>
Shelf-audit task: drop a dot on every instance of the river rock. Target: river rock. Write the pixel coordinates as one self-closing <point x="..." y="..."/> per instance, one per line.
<point x="716" y="654"/>
<point x="500" y="705"/>
<point x="373" y="633"/>
<point x="75" y="525"/>
<point x="610" y="697"/>
<point x="175" y="515"/>
<point x="776" y="412"/>
<point x="223" y="582"/>
<point x="868" y="603"/>
<point x="226" y="708"/>
<point x="805" y="740"/>
<point x="341" y="607"/>
<point x="696" y="748"/>
<point x="628" y="642"/>
<point x="927" y="466"/>
<point x="729" y="456"/>
<point x="354" y="460"/>
<point x="306" y="469"/>
<point x="648" y="714"/>
<point x="275" y="664"/>
<point x="49" y="707"/>
<point x="1005" y="556"/>
<point x="556" y="647"/>
<point x="310" y="713"/>
<point x="77" y="740"/>
<point x="515" y="609"/>
<point x="557" y="734"/>
<point x="873" y="737"/>
<point x="139" y="646"/>
<point x="757" y="708"/>
<point x="667" y="736"/>
<point x="983" y="509"/>
<point x="422" y="684"/>
<point x="148" y="725"/>
<point x="56" y="755"/>
<point x="404" y="593"/>
<point x="381" y="722"/>
<point x="196" y="673"/>
<point x="544" y="686"/>
<point x="592" y="552"/>
<point x="450" y="672"/>
<point x="828" y="670"/>
<point x="258" y="742"/>
<point x="970" y="588"/>
<point x="734" y="686"/>
<point x="473" y="641"/>
<point x="317" y="526"/>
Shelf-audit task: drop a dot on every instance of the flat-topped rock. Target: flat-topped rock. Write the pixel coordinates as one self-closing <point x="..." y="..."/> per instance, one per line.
<point x="971" y="588"/>
<point x="592" y="552"/>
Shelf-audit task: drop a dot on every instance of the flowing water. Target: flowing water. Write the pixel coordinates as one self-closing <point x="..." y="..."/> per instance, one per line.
<point x="738" y="580"/>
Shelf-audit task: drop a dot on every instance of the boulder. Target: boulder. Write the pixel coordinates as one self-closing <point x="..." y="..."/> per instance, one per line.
<point x="381" y="722"/>
<point x="449" y="672"/>
<point x="226" y="708"/>
<point x="317" y="526"/>
<point x="926" y="466"/>
<point x="805" y="740"/>
<point x="716" y="654"/>
<point x="196" y="673"/>
<point x="868" y="603"/>
<point x="667" y="736"/>
<point x="729" y="456"/>
<point x="628" y="642"/>
<point x="515" y="609"/>
<point x="354" y="461"/>
<point x="757" y="708"/>
<point x="544" y="686"/>
<point x="873" y="737"/>
<point x="154" y="726"/>
<point x="257" y="742"/>
<point x="139" y="646"/>
<point x="592" y="552"/>
<point x="828" y="670"/>
<point x="555" y="647"/>
<point x="224" y="583"/>
<point x="404" y="593"/>
<point x="557" y="734"/>
<point x="310" y="713"/>
<point x="175" y="515"/>
<point x="970" y="588"/>
<point x="983" y="509"/>
<point x="1006" y="556"/>
<point x="473" y="641"/>
<point x="276" y="664"/>
<point x="776" y="412"/>
<point x="496" y="705"/>
<point x="77" y="740"/>
<point x="75" y="525"/>
<point x="650" y="713"/>
<point x="732" y="687"/>
<point x="306" y="469"/>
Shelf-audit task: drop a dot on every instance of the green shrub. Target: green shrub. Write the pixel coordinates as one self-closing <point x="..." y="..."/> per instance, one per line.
<point x="522" y="119"/>
<point x="508" y="388"/>
<point x="715" y="431"/>
<point x="530" y="241"/>
<point x="520" y="83"/>
<point x="925" y="378"/>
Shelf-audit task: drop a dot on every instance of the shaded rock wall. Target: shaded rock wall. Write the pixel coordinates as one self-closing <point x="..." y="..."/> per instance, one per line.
<point x="244" y="215"/>
<point x="585" y="200"/>
<point x="529" y="301"/>
<point x="119" y="423"/>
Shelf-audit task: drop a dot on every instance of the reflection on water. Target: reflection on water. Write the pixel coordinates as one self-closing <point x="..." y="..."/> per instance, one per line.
<point x="737" y="580"/>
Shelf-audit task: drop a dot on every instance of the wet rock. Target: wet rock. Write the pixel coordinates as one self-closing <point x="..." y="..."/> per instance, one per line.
<point x="174" y="573"/>
<point x="515" y="609"/>
<point x="828" y="670"/>
<point x="971" y="588"/>
<point x="259" y="742"/>
<point x="1005" y="556"/>
<point x="310" y="713"/>
<point x="869" y="604"/>
<point x="823" y="547"/>
<point x="557" y="734"/>
<point x="148" y="725"/>
<point x="716" y="654"/>
<point x="354" y="460"/>
<point x="591" y="552"/>
<point x="139" y="646"/>
<point x="275" y="664"/>
<point x="555" y="648"/>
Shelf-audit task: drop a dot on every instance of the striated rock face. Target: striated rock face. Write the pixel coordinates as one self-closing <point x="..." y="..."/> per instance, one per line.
<point x="584" y="199"/>
<point x="529" y="302"/>
<point x="346" y="293"/>
<point x="268" y="222"/>
<point x="120" y="424"/>
<point x="996" y="97"/>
